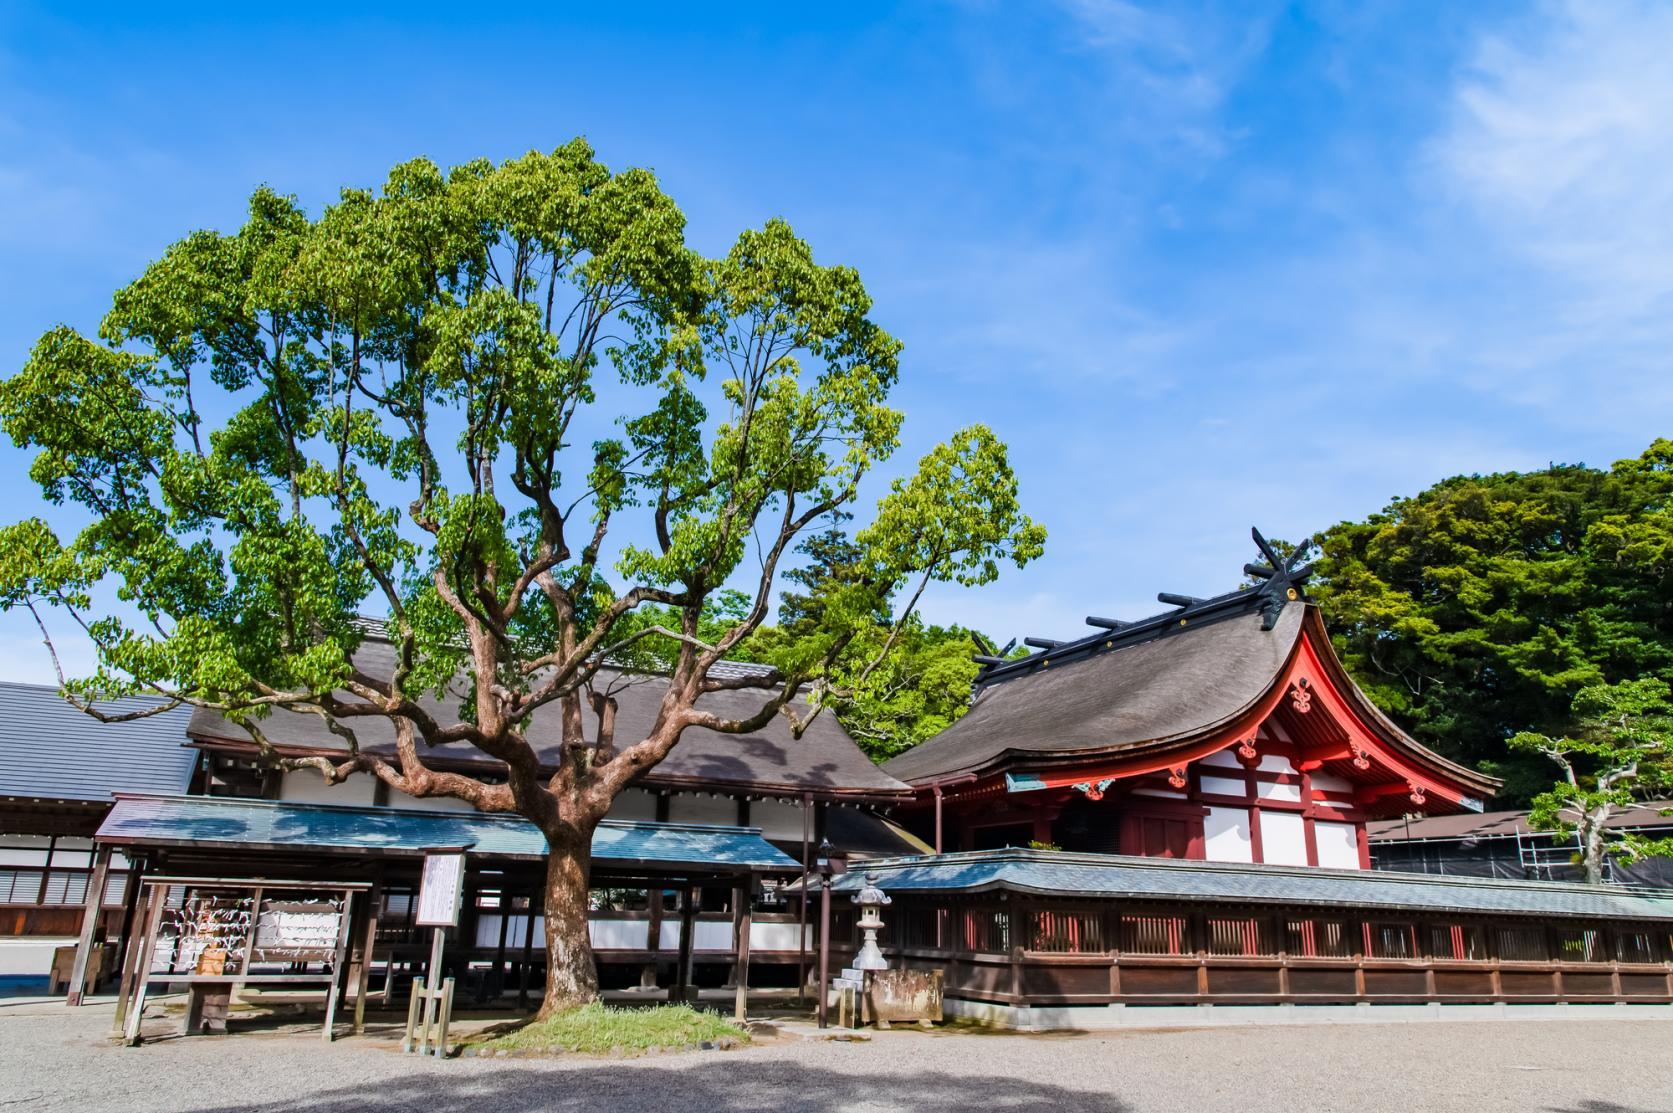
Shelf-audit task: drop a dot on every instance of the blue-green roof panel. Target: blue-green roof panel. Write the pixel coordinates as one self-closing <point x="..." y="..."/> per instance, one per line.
<point x="1054" y="873"/>
<point x="203" y="821"/>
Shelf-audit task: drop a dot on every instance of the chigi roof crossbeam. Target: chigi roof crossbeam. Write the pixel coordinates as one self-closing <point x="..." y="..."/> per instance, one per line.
<point x="1281" y="581"/>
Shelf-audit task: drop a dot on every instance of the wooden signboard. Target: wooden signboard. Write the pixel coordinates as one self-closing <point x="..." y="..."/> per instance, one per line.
<point x="442" y="890"/>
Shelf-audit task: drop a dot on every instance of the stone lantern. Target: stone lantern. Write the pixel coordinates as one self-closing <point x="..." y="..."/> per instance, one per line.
<point x="870" y="900"/>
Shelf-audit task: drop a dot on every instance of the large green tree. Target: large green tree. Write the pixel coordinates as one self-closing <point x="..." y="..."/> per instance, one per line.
<point x="506" y="408"/>
<point x="1479" y="608"/>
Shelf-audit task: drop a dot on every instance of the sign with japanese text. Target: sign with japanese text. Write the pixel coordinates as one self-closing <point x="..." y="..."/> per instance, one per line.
<point x="442" y="890"/>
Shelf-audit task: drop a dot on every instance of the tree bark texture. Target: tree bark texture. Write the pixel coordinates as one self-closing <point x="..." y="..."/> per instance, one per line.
<point x="571" y="973"/>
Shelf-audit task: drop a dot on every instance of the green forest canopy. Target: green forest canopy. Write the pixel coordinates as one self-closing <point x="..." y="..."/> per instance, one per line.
<point x="1479" y="607"/>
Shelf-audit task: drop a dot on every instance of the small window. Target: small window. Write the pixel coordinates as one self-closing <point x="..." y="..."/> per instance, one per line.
<point x="64" y="887"/>
<point x="1521" y="944"/>
<point x="1457" y="941"/>
<point x="1250" y="936"/>
<point x="20" y="886"/>
<point x="1390" y="940"/>
<point x="1579" y="945"/>
<point x="1318" y="939"/>
<point x="1154" y="935"/>
<point x="914" y="927"/>
<point x="987" y="930"/>
<point x="1065" y="932"/>
<point x="1635" y="946"/>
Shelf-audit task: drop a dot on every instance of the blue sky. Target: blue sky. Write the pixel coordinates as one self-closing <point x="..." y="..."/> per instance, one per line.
<point x="1202" y="266"/>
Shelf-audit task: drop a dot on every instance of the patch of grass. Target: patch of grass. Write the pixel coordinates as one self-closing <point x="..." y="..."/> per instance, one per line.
<point x="598" y="1029"/>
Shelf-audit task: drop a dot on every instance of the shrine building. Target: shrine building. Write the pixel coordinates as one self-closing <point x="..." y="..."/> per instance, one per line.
<point x="1162" y="821"/>
<point x="1224" y="729"/>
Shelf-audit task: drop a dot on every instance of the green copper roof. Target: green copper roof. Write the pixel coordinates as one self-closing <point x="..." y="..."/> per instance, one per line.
<point x="1054" y="873"/>
<point x="207" y="821"/>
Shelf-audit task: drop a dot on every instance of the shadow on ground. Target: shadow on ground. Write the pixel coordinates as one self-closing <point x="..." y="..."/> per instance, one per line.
<point x="722" y="1085"/>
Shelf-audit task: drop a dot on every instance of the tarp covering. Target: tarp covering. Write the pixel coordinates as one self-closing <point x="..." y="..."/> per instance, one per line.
<point x="1055" y="873"/>
<point x="205" y="821"/>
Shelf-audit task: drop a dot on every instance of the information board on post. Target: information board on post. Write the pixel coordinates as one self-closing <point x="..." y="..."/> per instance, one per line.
<point x="442" y="889"/>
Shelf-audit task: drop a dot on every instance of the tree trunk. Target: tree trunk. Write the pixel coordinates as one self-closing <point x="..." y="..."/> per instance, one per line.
<point x="1594" y="844"/>
<point x="571" y="975"/>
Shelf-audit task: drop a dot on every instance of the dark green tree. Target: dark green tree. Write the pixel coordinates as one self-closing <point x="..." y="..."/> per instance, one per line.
<point x="1480" y="607"/>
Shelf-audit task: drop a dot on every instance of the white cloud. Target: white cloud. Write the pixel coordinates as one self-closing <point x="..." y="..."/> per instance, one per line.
<point x="1561" y="137"/>
<point x="1172" y="66"/>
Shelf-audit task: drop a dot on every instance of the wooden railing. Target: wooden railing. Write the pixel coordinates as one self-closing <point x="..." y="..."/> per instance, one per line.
<point x="1053" y="953"/>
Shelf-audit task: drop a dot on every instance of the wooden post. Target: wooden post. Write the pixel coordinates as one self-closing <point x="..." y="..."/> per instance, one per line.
<point x="937" y="791"/>
<point x="653" y="936"/>
<point x="688" y="931"/>
<point x="528" y="954"/>
<point x="446" y="1015"/>
<point x="374" y="909"/>
<point x="435" y="981"/>
<point x="741" y="921"/>
<point x="133" y="948"/>
<point x="90" y="917"/>
<point x="159" y="898"/>
<point x="345" y="923"/>
<point x="801" y="915"/>
<point x="130" y="914"/>
<point x="1018" y="925"/>
<point x="825" y="953"/>
<point x="413" y="1007"/>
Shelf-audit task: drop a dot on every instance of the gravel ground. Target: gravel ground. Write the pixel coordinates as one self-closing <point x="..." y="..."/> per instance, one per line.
<point x="52" y="1058"/>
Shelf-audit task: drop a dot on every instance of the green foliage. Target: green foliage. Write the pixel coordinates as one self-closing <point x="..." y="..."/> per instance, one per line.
<point x="601" y="1030"/>
<point x="895" y="681"/>
<point x="1622" y="751"/>
<point x="385" y="407"/>
<point x="1480" y="607"/>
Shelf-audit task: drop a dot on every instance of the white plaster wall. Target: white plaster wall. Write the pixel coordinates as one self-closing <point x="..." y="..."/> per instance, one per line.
<point x="24" y="850"/>
<point x="1330" y="782"/>
<point x="618" y="935"/>
<point x="429" y="803"/>
<point x="634" y="806"/>
<point x="1221" y="759"/>
<point x="304" y="786"/>
<point x="779" y="819"/>
<point x="766" y="936"/>
<point x="711" y="935"/>
<point x="1275" y="763"/>
<point x="1168" y="792"/>
<point x="694" y="808"/>
<point x="1269" y="790"/>
<point x="1338" y="844"/>
<point x="1224" y="786"/>
<point x="1283" y="838"/>
<point x="1226" y="835"/>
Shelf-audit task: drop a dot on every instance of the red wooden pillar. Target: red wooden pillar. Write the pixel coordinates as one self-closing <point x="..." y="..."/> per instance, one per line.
<point x="1042" y="828"/>
<point x="1308" y="832"/>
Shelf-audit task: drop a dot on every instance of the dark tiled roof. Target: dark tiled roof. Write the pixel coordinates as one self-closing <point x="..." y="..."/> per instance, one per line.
<point x="51" y="751"/>
<point x="824" y="760"/>
<point x="206" y="821"/>
<point x="1179" y="682"/>
<point x="1053" y="873"/>
<point x="1498" y="825"/>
